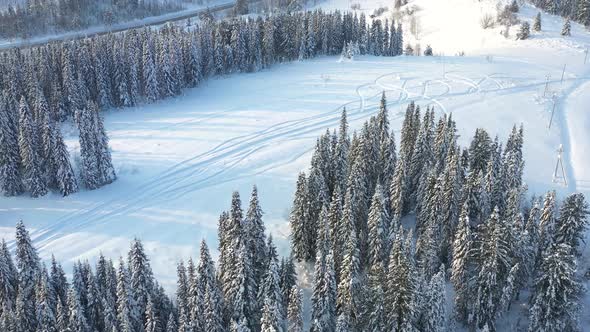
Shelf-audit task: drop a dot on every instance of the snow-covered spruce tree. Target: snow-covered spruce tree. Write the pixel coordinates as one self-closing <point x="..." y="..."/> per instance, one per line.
<point x="524" y="32"/>
<point x="399" y="296"/>
<point x="10" y="174"/>
<point x="428" y="51"/>
<point x="378" y="229"/>
<point x="295" y="311"/>
<point x="547" y="223"/>
<point x="567" y="28"/>
<point x="435" y="315"/>
<point x="537" y="22"/>
<point x="8" y="278"/>
<point x="494" y="262"/>
<point x="375" y="311"/>
<point x="125" y="305"/>
<point x="171" y="324"/>
<point x="45" y="314"/>
<point x="272" y="298"/>
<point x="141" y="280"/>
<point x="27" y="263"/>
<point x="572" y="221"/>
<point x="555" y="304"/>
<point x="288" y="279"/>
<point x="461" y="274"/>
<point x="77" y="321"/>
<point x="65" y="178"/>
<point x="349" y="287"/>
<point x="299" y="221"/>
<point x="152" y="323"/>
<point x="584" y="12"/>
<point x="255" y="233"/>
<point x="28" y="143"/>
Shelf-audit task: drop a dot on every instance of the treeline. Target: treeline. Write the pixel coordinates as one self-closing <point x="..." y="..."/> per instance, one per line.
<point x="58" y="81"/>
<point x="576" y="10"/>
<point x="251" y="289"/>
<point x="377" y="270"/>
<point x="42" y="17"/>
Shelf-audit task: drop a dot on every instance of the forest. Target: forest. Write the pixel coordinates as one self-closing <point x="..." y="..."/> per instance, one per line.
<point x="44" y="86"/>
<point x="42" y="17"/>
<point x="386" y="225"/>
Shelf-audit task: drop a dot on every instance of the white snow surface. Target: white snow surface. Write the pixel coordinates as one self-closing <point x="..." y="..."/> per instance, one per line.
<point x="179" y="160"/>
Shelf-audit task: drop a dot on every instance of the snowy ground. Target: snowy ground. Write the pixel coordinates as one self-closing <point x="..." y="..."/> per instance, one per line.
<point x="179" y="160"/>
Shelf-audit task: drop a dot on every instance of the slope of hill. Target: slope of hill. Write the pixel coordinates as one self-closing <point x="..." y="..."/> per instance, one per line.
<point x="179" y="159"/>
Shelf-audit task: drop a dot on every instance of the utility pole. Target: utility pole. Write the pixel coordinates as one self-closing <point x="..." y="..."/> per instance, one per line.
<point x="546" y="84"/>
<point x="559" y="173"/>
<point x="563" y="73"/>
<point x="552" y="111"/>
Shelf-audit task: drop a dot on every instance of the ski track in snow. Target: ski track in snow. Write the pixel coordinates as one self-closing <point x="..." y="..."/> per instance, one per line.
<point x="195" y="173"/>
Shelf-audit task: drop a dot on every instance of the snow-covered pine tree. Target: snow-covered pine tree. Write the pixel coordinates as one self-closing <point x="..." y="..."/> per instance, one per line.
<point x="125" y="306"/>
<point x="152" y="323"/>
<point x="375" y="311"/>
<point x="27" y="263"/>
<point x="171" y="324"/>
<point x="555" y="304"/>
<point x="10" y="175"/>
<point x="461" y="274"/>
<point x="76" y="319"/>
<point x="299" y="220"/>
<point x="45" y="314"/>
<point x="572" y="221"/>
<point x="524" y="32"/>
<point x="64" y="177"/>
<point x="399" y="296"/>
<point x="567" y="28"/>
<point x="8" y="278"/>
<point x="288" y="279"/>
<point x="28" y="143"/>
<point x="349" y="286"/>
<point x="295" y="311"/>
<point x="537" y="22"/>
<point x="378" y="230"/>
<point x="150" y="78"/>
<point x="584" y="12"/>
<point x="435" y="315"/>
<point x="141" y="281"/>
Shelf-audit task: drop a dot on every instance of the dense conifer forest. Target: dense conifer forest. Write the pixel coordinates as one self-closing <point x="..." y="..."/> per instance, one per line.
<point x="44" y="86"/>
<point x="42" y="17"/>
<point x="388" y="225"/>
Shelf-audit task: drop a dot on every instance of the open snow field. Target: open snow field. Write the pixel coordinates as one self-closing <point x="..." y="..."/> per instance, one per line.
<point x="179" y="160"/>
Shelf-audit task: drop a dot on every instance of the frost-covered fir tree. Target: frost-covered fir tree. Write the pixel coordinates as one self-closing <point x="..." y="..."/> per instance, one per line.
<point x="295" y="311"/>
<point x="572" y="221"/>
<point x="524" y="32"/>
<point x="378" y="229"/>
<point x="77" y="321"/>
<point x="10" y="174"/>
<point x="8" y="277"/>
<point x="435" y="316"/>
<point x="584" y="12"/>
<point x="152" y="323"/>
<point x="399" y="296"/>
<point x="537" y="22"/>
<point x="65" y="178"/>
<point x="567" y="28"/>
<point x="141" y="280"/>
<point x="29" y="145"/>
<point x="555" y="304"/>
<point x="461" y="265"/>
<point x="299" y="221"/>
<point x="27" y="263"/>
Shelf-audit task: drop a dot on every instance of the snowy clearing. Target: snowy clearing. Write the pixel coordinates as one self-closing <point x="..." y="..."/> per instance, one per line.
<point x="179" y="160"/>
